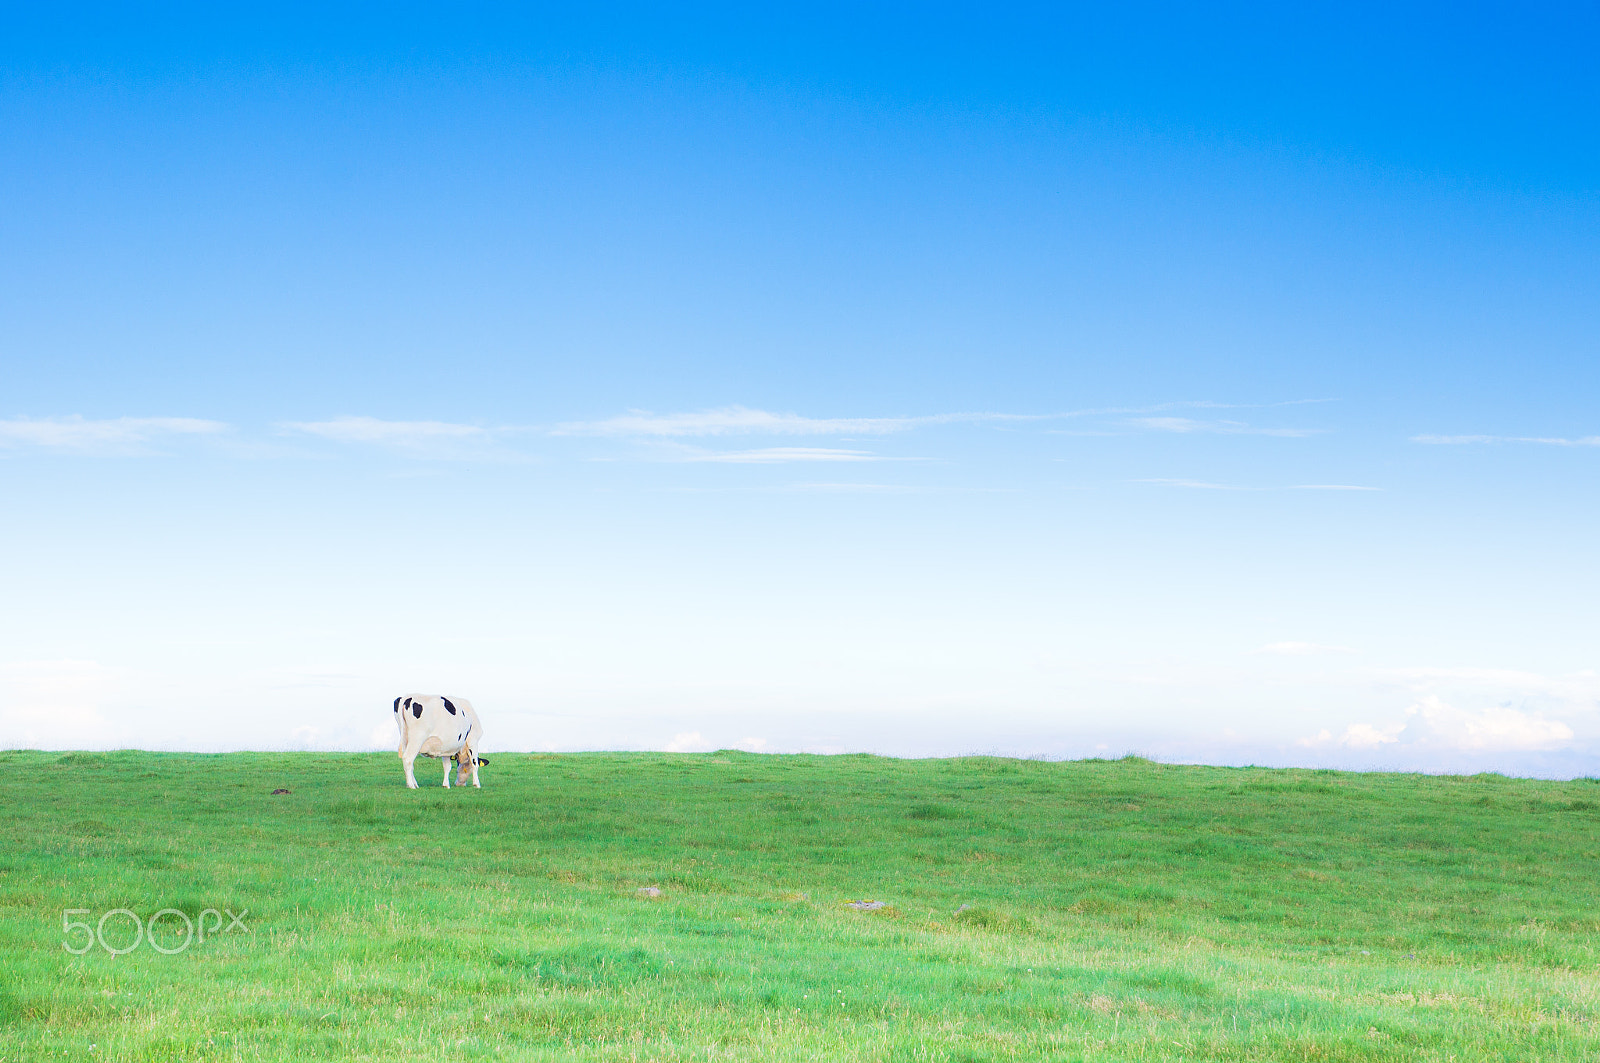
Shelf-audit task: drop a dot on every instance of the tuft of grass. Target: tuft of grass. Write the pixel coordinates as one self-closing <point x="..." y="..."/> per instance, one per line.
<point x="11" y="1009"/>
<point x="988" y="919"/>
<point x="1094" y="910"/>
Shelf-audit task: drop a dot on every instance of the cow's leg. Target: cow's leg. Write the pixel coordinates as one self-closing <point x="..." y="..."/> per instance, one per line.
<point x="414" y="745"/>
<point x="446" y="762"/>
<point x="475" y="781"/>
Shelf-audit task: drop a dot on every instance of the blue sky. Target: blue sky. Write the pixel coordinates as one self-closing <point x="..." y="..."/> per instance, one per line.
<point x="1214" y="384"/>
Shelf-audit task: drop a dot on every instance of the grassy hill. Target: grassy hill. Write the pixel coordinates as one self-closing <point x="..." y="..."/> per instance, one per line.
<point x="1099" y="910"/>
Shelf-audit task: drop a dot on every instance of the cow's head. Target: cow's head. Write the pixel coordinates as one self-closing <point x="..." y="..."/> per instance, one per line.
<point x="464" y="767"/>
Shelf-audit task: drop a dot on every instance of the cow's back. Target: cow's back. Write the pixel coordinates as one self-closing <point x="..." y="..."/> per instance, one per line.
<point x="435" y="724"/>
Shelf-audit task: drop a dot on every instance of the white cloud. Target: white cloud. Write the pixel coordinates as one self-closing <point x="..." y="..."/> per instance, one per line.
<point x="687" y="742"/>
<point x="1185" y="424"/>
<point x="861" y="489"/>
<point x="1366" y="736"/>
<point x="119" y="435"/>
<point x="1209" y="486"/>
<point x="1356" y="736"/>
<point x="441" y="439"/>
<point x="753" y="745"/>
<point x="1493" y="709"/>
<point x="1552" y="441"/>
<point x="1433" y="725"/>
<point x="1299" y="649"/>
<point x="418" y="439"/>
<point x="373" y="430"/>
<point x="1231" y="428"/>
<point x="778" y="455"/>
<point x="1496" y="729"/>
<point x="742" y="420"/>
<point x="1202" y="485"/>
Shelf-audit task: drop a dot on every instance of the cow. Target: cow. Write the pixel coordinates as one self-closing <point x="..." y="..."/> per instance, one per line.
<point x="434" y="726"/>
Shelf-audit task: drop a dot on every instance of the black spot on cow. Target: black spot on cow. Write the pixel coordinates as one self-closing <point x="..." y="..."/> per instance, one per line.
<point x="451" y="709"/>
<point x="396" y="704"/>
<point x="416" y="709"/>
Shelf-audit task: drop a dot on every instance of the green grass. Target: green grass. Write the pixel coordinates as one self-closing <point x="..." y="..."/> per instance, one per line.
<point x="1114" y="910"/>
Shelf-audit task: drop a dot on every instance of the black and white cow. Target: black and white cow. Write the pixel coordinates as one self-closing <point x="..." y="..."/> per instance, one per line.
<point x="433" y="726"/>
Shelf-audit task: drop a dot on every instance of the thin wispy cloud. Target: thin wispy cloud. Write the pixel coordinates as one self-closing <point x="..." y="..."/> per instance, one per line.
<point x="117" y="435"/>
<point x="1299" y="649"/>
<point x="1226" y="428"/>
<point x="1199" y="485"/>
<point x="1577" y="688"/>
<point x="746" y="420"/>
<point x="743" y="420"/>
<point x="1549" y="441"/>
<point x="1160" y="417"/>
<point x="856" y="489"/>
<point x="1190" y="404"/>
<point x="779" y="455"/>
<point x="373" y="430"/>
<point x="1207" y="485"/>
<point x="436" y="440"/>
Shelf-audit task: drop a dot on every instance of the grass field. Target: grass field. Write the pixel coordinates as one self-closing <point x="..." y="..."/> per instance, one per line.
<point x="1114" y="910"/>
